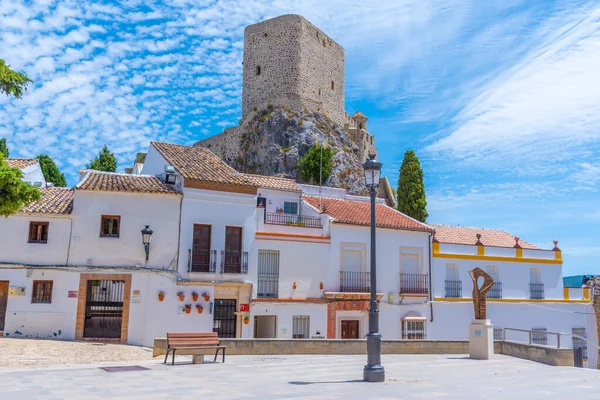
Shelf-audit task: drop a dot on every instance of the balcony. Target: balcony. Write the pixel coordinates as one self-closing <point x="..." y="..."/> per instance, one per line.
<point x="536" y="291"/>
<point x="453" y="289"/>
<point x="293" y="220"/>
<point x="355" y="282"/>
<point x="496" y="291"/>
<point x="200" y="260"/>
<point x="417" y="284"/>
<point x="234" y="262"/>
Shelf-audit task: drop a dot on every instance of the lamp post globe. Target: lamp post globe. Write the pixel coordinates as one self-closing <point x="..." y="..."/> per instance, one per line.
<point x="146" y="239"/>
<point x="373" y="371"/>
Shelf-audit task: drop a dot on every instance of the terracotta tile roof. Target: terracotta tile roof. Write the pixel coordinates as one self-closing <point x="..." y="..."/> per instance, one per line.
<point x="273" y="182"/>
<point x="359" y="213"/>
<point x="20" y="162"/>
<point x="54" y="201"/>
<point x="200" y="164"/>
<point x="115" y="182"/>
<point x="467" y="235"/>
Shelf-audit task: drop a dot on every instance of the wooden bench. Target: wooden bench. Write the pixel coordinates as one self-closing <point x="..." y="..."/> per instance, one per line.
<point x="193" y="341"/>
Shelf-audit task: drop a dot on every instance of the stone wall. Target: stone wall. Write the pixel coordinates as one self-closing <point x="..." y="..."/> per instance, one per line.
<point x="290" y="62"/>
<point x="225" y="145"/>
<point x="542" y="354"/>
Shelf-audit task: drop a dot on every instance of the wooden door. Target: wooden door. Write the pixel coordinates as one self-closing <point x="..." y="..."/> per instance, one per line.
<point x="233" y="250"/>
<point x="350" y="329"/>
<point x="201" y="248"/>
<point x="3" y="302"/>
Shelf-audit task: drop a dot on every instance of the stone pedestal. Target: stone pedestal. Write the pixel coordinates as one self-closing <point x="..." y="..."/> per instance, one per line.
<point x="198" y="359"/>
<point x="481" y="339"/>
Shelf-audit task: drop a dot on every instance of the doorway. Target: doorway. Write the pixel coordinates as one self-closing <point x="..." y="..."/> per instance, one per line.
<point x="3" y="302"/>
<point x="201" y="251"/>
<point x="224" y="321"/>
<point x="104" y="309"/>
<point x="232" y="257"/>
<point x="350" y="329"/>
<point x="265" y="326"/>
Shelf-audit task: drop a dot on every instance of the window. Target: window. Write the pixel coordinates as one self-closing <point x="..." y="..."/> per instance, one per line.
<point x="38" y="232"/>
<point x="453" y="285"/>
<point x="301" y="327"/>
<point x="170" y="179"/>
<point x="580" y="343"/>
<point x="258" y="70"/>
<point x="268" y="274"/>
<point x="332" y="86"/>
<point x="42" y="292"/>
<point x="539" y="336"/>
<point x="290" y="208"/>
<point x="498" y="334"/>
<point x="413" y="329"/>
<point x="111" y="224"/>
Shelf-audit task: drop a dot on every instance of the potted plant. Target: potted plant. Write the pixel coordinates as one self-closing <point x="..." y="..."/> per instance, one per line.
<point x="206" y="296"/>
<point x="188" y="308"/>
<point x="199" y="308"/>
<point x="194" y="296"/>
<point x="181" y="296"/>
<point x="161" y="295"/>
<point x="246" y="320"/>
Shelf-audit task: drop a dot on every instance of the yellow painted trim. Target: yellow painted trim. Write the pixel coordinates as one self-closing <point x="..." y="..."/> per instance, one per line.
<point x="496" y="258"/>
<point x="519" y="252"/>
<point x="435" y="247"/>
<point x="586" y="293"/>
<point x="566" y="293"/>
<point x="558" y="255"/>
<point x="468" y="300"/>
<point x="480" y="251"/>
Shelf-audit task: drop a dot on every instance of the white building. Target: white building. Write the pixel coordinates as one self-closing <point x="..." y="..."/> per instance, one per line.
<point x="266" y="258"/>
<point x="32" y="172"/>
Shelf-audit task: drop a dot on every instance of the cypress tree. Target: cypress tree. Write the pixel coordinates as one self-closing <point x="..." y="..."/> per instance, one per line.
<point x="105" y="161"/>
<point x="50" y="171"/>
<point x="411" y="189"/>
<point x="3" y="148"/>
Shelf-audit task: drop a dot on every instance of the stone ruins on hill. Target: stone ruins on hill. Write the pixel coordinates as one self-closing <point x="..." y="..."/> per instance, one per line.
<point x="293" y="98"/>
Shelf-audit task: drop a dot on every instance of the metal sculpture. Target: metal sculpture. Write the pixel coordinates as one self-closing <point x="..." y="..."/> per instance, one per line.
<point x="480" y="293"/>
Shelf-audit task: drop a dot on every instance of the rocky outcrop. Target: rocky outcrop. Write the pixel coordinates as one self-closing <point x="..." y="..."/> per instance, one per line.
<point x="274" y="141"/>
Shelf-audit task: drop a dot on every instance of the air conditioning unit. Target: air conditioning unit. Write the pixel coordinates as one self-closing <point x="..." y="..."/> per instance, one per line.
<point x="169" y="169"/>
<point x="170" y="179"/>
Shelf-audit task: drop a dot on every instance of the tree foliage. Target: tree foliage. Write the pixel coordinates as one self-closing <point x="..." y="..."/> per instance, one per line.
<point x="14" y="192"/>
<point x="12" y="83"/>
<point x="4" y="148"/>
<point x="309" y="166"/>
<point x="105" y="161"/>
<point x="411" y="189"/>
<point x="51" y="172"/>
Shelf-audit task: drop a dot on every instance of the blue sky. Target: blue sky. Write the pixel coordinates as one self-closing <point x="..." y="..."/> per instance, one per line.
<point x="499" y="99"/>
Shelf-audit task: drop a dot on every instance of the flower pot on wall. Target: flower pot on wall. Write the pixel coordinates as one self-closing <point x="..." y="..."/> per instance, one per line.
<point x="181" y="296"/>
<point x="199" y="308"/>
<point x="206" y="296"/>
<point x="161" y="296"/>
<point x="195" y="296"/>
<point x="246" y="320"/>
<point x="188" y="308"/>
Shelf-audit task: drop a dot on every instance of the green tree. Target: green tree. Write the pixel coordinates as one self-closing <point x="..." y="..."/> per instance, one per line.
<point x="14" y="192"/>
<point x="411" y="189"/>
<point x="50" y="170"/>
<point x="12" y="83"/>
<point x="309" y="166"/>
<point x="3" y="147"/>
<point x="105" y="161"/>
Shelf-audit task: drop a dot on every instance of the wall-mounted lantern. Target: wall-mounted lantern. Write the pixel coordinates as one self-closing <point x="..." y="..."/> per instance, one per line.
<point x="146" y="239"/>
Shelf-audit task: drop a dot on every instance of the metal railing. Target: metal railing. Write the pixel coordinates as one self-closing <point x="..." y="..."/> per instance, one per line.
<point x="536" y="291"/>
<point x="496" y="291"/>
<point x="557" y="334"/>
<point x="414" y="284"/>
<point x="293" y="220"/>
<point x="234" y="262"/>
<point x="200" y="260"/>
<point x="355" y="282"/>
<point x="453" y="289"/>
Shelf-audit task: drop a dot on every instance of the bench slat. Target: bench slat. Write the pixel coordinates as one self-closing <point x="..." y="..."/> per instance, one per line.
<point x="192" y="334"/>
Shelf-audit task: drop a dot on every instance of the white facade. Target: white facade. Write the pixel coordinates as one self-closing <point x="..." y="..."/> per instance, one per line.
<point x="34" y="175"/>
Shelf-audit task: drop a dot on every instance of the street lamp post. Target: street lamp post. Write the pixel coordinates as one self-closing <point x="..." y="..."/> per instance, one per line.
<point x="373" y="371"/>
<point x="146" y="239"/>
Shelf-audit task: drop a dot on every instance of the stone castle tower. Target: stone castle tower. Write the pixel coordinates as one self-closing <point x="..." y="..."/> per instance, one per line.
<point x="290" y="62"/>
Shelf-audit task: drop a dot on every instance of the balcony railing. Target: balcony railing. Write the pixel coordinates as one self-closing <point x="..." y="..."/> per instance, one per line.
<point x="536" y="291"/>
<point x="201" y="260"/>
<point x="496" y="291"/>
<point x="355" y="282"/>
<point x="293" y="220"/>
<point x="267" y="286"/>
<point x="453" y="289"/>
<point x="234" y="262"/>
<point x="414" y="284"/>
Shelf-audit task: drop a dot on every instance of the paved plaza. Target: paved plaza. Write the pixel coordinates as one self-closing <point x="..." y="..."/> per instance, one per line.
<point x="305" y="377"/>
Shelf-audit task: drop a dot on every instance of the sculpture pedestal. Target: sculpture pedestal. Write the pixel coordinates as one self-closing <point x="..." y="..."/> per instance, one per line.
<point x="481" y="339"/>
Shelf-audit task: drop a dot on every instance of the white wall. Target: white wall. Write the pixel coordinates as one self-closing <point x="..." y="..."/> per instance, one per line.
<point x="161" y="212"/>
<point x="14" y="237"/>
<point x="33" y="174"/>
<point x="285" y="313"/>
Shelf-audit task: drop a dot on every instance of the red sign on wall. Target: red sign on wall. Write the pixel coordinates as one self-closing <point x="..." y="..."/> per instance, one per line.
<point x="244" y="307"/>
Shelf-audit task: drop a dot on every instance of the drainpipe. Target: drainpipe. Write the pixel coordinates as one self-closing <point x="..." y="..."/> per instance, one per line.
<point x="179" y="234"/>
<point x="70" y="239"/>
<point x="430" y="280"/>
